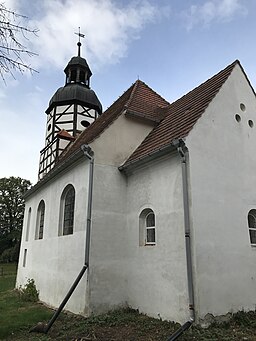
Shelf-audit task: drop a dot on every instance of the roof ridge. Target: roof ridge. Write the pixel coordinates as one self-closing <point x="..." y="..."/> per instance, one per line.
<point x="135" y="86"/>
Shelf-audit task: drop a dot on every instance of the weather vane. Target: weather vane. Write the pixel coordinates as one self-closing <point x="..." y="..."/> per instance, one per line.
<point x="80" y="35"/>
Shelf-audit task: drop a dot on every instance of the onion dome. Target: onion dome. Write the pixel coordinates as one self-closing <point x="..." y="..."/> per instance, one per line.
<point x="77" y="87"/>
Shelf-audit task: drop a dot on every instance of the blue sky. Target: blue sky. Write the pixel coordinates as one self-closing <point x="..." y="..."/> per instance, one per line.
<point x="173" y="46"/>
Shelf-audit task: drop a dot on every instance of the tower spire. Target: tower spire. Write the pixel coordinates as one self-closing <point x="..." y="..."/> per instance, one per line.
<point x="80" y="35"/>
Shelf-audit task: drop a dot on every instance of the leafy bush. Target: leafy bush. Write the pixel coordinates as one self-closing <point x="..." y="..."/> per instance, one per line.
<point x="29" y="291"/>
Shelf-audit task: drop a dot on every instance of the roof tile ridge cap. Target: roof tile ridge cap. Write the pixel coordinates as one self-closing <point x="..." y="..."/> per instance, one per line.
<point x="135" y="86"/>
<point x="228" y="68"/>
<point x="156" y="93"/>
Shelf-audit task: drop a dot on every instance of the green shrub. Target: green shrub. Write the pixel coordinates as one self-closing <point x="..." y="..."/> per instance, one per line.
<point x="29" y="291"/>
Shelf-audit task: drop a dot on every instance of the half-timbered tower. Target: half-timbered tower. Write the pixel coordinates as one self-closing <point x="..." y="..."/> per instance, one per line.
<point x="71" y="109"/>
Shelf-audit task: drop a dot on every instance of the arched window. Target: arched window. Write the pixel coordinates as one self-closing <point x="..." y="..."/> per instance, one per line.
<point x="28" y="224"/>
<point x="73" y="76"/>
<point x="67" y="208"/>
<point x="147" y="228"/>
<point x="252" y="226"/>
<point x="40" y="220"/>
<point x="150" y="228"/>
<point x="82" y="76"/>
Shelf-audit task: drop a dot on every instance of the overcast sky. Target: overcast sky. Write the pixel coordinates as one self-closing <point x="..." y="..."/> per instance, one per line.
<point x="172" y="45"/>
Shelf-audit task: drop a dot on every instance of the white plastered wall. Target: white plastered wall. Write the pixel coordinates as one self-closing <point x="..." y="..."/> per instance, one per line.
<point x="157" y="282"/>
<point x="119" y="140"/>
<point x="108" y="267"/>
<point x="108" y="273"/>
<point x="149" y="278"/>
<point x="55" y="261"/>
<point x="223" y="181"/>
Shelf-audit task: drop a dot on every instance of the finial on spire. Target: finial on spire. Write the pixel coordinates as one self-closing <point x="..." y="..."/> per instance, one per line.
<point x="80" y="35"/>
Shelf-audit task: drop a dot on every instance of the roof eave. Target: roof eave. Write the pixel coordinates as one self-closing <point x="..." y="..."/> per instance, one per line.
<point x="127" y="167"/>
<point x="59" y="168"/>
<point x="141" y="117"/>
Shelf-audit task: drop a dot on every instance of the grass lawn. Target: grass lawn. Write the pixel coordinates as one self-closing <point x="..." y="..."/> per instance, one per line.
<point x="18" y="316"/>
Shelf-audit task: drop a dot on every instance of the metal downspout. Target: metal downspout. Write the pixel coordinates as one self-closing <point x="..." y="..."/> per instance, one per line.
<point x="183" y="152"/>
<point x="88" y="152"/>
<point x="42" y="327"/>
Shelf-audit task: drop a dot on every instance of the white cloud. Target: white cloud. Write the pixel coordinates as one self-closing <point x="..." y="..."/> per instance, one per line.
<point x="215" y="10"/>
<point x="108" y="28"/>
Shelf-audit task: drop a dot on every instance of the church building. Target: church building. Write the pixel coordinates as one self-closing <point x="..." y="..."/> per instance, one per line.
<point x="167" y="190"/>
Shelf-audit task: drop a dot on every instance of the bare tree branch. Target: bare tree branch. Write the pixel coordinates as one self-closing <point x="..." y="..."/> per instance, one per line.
<point x="12" y="49"/>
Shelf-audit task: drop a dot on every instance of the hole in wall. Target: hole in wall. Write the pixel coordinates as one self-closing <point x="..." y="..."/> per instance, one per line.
<point x="242" y="107"/>
<point x="237" y="117"/>
<point x="85" y="123"/>
<point x="251" y="124"/>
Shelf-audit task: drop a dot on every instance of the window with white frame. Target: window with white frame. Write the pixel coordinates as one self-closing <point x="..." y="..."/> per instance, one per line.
<point x="252" y="226"/>
<point x="40" y="220"/>
<point x="67" y="208"/>
<point x="147" y="228"/>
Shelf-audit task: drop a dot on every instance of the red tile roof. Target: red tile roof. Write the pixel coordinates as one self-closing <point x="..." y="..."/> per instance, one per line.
<point x="139" y="100"/>
<point x="146" y="103"/>
<point x="65" y="135"/>
<point x="182" y="116"/>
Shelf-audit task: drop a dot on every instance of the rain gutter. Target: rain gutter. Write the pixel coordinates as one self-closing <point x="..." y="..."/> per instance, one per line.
<point x="183" y="152"/>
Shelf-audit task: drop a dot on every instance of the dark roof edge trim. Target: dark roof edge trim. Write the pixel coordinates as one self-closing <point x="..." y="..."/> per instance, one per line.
<point x="142" y="117"/>
<point x="126" y="167"/>
<point x="72" y="101"/>
<point x="248" y="80"/>
<point x="55" y="171"/>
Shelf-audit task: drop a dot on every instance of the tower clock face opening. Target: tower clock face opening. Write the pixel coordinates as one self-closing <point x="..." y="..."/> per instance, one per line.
<point x="85" y="123"/>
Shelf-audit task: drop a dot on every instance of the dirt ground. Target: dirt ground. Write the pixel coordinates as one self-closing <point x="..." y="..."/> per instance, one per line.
<point x="129" y="325"/>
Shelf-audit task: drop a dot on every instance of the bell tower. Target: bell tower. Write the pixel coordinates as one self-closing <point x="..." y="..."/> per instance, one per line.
<point x="72" y="109"/>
